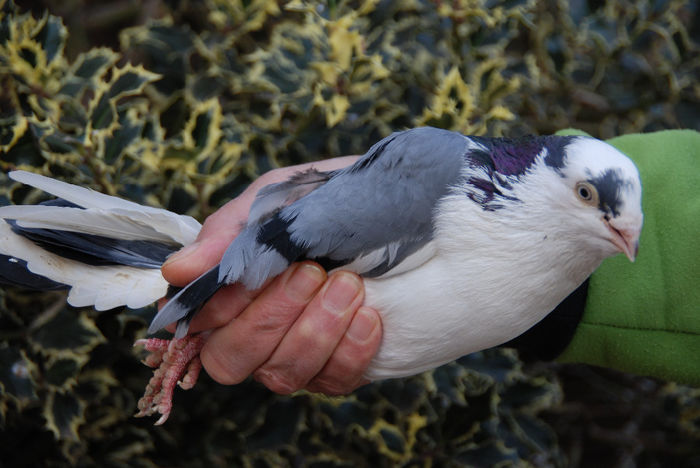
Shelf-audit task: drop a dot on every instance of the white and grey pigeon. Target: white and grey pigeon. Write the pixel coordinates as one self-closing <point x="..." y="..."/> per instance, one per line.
<point x="464" y="242"/>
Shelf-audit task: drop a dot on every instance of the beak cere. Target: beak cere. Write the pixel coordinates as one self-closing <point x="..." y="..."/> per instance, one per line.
<point x="626" y="239"/>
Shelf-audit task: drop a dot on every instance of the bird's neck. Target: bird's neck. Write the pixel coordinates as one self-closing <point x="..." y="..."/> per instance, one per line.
<point x="547" y="257"/>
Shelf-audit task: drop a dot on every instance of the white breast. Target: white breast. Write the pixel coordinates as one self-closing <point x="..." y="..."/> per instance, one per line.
<point x="482" y="288"/>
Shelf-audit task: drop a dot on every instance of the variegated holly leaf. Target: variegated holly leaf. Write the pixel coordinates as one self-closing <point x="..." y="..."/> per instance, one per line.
<point x="64" y="413"/>
<point x="69" y="330"/>
<point x="127" y="81"/>
<point x="87" y="71"/>
<point x="62" y="369"/>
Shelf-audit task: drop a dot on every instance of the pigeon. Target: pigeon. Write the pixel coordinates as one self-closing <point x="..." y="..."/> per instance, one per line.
<point x="464" y="243"/>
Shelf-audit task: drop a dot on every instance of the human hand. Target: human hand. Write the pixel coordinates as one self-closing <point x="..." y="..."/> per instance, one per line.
<point x="301" y="330"/>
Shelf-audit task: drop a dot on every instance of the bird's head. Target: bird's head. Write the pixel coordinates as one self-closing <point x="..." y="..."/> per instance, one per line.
<point x="577" y="189"/>
<point x="601" y="190"/>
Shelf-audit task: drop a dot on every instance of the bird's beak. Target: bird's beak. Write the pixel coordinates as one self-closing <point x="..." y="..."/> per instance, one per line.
<point x="625" y="238"/>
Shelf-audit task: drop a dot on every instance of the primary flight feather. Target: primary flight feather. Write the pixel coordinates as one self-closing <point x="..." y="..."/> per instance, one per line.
<point x="464" y="242"/>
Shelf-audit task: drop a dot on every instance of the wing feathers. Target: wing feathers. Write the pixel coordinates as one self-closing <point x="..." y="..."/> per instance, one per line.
<point x="104" y="215"/>
<point x="98" y="250"/>
<point x="272" y="198"/>
<point x="81" y="196"/>
<point x="105" y="287"/>
<point x="99" y="222"/>
<point x="93" y="218"/>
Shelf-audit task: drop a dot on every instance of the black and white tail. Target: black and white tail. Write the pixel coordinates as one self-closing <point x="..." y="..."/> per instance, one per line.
<point x="107" y="251"/>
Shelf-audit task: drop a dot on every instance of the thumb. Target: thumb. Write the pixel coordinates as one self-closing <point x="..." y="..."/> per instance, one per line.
<point x="192" y="261"/>
<point x="217" y="233"/>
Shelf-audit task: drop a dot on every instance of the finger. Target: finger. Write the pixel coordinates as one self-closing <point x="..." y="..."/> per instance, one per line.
<point x="345" y="369"/>
<point x="224" y="306"/>
<point x="309" y="343"/>
<point x="194" y="260"/>
<point x="218" y="232"/>
<point x="235" y="350"/>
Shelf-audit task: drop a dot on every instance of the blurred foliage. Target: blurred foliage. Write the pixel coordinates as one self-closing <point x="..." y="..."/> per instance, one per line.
<point x="180" y="103"/>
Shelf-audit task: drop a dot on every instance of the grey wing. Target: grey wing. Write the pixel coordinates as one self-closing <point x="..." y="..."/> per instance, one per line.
<point x="377" y="211"/>
<point x="272" y="198"/>
<point x="369" y="217"/>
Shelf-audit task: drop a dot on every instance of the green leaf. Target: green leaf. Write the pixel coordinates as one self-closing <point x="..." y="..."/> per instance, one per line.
<point x="127" y="81"/>
<point x="203" y="130"/>
<point x="178" y="152"/>
<point x="104" y="114"/>
<point x="491" y="453"/>
<point x="69" y="330"/>
<point x="64" y="413"/>
<point x="11" y="130"/>
<point x="535" y="432"/>
<point x="52" y="37"/>
<point x="207" y="87"/>
<point x="530" y="395"/>
<point x="23" y="152"/>
<point x="73" y="116"/>
<point x="62" y="370"/>
<point x="130" y="81"/>
<point x="87" y="72"/>
<point x="121" y="139"/>
<point x="61" y="143"/>
<point x="346" y="413"/>
<point x="392" y="439"/>
<point x="93" y="63"/>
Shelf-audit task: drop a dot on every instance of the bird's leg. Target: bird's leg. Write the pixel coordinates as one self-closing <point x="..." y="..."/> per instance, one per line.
<point x="176" y="362"/>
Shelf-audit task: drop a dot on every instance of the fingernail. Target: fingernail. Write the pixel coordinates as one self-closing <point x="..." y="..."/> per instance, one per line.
<point x="304" y="282"/>
<point x="182" y="254"/>
<point x="341" y="292"/>
<point x="362" y="326"/>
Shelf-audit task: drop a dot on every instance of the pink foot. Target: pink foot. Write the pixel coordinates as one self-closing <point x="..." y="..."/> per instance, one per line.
<point x="177" y="363"/>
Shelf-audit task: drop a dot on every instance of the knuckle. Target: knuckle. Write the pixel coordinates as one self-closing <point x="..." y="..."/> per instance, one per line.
<point x="224" y="306"/>
<point x="282" y="384"/>
<point x="213" y="314"/>
<point x="273" y="316"/>
<point x="351" y="361"/>
<point x="330" y="386"/>
<point x="314" y="337"/>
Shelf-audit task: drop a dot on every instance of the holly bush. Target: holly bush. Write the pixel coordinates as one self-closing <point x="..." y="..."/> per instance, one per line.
<point x="180" y="104"/>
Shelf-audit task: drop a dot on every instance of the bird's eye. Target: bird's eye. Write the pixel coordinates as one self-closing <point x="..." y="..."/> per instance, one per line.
<point x="587" y="193"/>
<point x="584" y="193"/>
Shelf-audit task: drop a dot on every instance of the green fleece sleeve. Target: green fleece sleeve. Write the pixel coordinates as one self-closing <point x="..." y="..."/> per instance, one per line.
<point x="644" y="317"/>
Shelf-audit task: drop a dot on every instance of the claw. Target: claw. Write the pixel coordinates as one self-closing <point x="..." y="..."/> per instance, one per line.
<point x="176" y="363"/>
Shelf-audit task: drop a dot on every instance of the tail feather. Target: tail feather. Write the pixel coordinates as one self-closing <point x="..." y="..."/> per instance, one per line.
<point x="107" y="251"/>
<point x="185" y="304"/>
<point x="97" y="250"/>
<point x="84" y="210"/>
<point x="75" y="194"/>
<point x="101" y="286"/>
